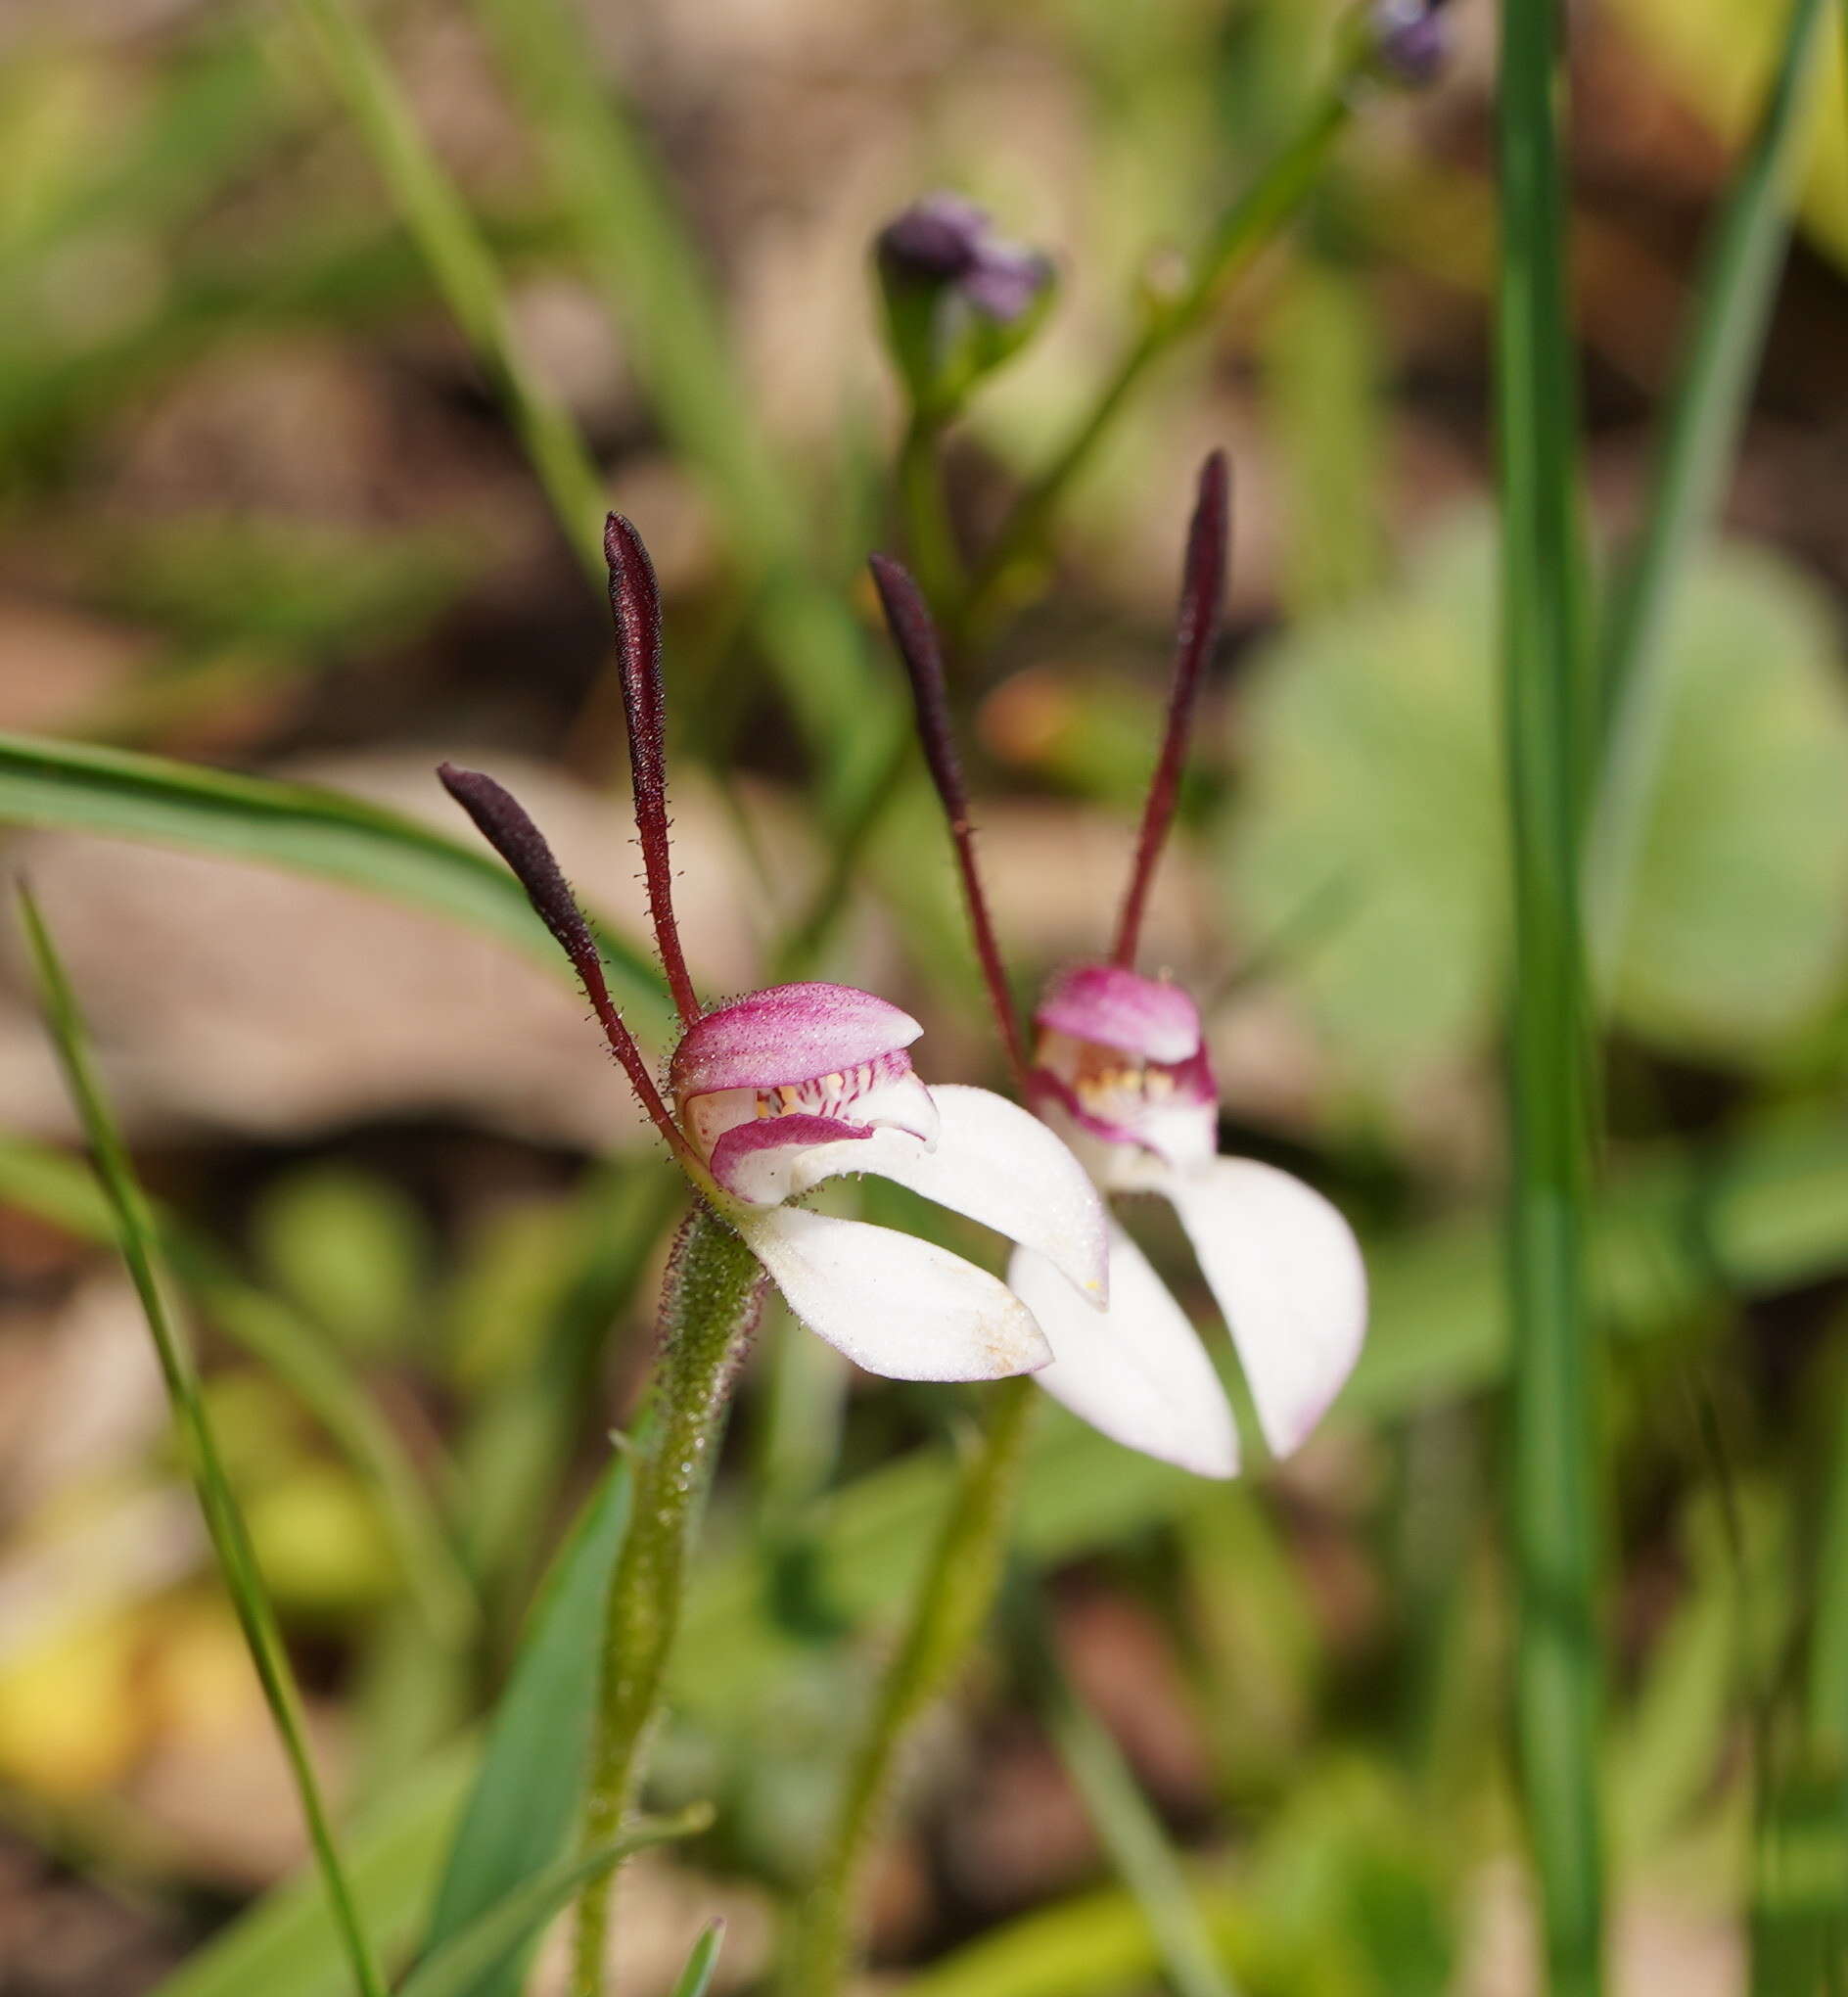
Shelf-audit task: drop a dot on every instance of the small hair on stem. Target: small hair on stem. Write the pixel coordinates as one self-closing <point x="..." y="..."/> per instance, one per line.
<point x="635" y="607"/>
<point x="504" y="823"/>
<point x="1197" y="625"/>
<point x="914" y="635"/>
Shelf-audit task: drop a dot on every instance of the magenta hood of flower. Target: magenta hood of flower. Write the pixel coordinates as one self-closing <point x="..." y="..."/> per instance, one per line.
<point x="1122" y="1057"/>
<point x="788" y="1033"/>
<point x="763" y="1081"/>
<point x="1149" y="1019"/>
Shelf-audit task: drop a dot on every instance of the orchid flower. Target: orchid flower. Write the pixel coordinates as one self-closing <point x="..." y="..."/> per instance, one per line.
<point x="1118" y="1066"/>
<point x="771" y="1094"/>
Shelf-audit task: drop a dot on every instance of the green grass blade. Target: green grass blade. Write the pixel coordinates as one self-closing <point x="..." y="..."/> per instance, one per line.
<point x="285" y="1946"/>
<point x="527" y="1796"/>
<point x="615" y="199"/>
<point x="1118" y="1812"/>
<point x="470" y="1960"/>
<point x="118" y="794"/>
<point x="451" y="244"/>
<point x="1555" y="1487"/>
<point x="60" y="1189"/>
<point x="617" y="202"/>
<point x="224" y="1520"/>
<point x="1734" y="307"/>
<point x="702" y="1964"/>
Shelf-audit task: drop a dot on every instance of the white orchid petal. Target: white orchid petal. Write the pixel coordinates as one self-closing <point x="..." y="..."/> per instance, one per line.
<point x="893" y="1304"/>
<point x="1137" y="1370"/>
<point x="1286" y="1270"/>
<point x="996" y="1163"/>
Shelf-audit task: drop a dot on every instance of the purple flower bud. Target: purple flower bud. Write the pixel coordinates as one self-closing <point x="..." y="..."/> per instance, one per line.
<point x="1410" y="40"/>
<point x="944" y="240"/>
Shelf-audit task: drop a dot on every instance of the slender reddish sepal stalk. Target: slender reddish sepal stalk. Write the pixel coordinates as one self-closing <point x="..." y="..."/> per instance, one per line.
<point x="1202" y="599"/>
<point x="915" y="636"/>
<point x="635" y="605"/>
<point x="504" y="822"/>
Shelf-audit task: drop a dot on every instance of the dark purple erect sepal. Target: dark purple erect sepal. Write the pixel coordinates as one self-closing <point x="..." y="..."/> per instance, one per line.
<point x="635" y="607"/>
<point x="503" y="820"/>
<point x="915" y="636"/>
<point x="1196" y="626"/>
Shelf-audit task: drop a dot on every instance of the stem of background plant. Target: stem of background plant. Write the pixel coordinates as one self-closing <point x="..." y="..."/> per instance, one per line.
<point x="1548" y="707"/>
<point x="1243" y="230"/>
<point x="1727" y="338"/>
<point x="955" y="1595"/>
<point x="1121" y="1815"/>
<point x="929" y="539"/>
<point x="709" y="1309"/>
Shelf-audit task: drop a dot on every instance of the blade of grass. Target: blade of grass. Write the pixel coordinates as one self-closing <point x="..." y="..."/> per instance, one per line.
<point x="285" y="1945"/>
<point x="139" y="1243"/>
<point x="451" y="243"/>
<point x="1132" y="1833"/>
<point x="697" y="1978"/>
<point x="1554" y="1475"/>
<point x="617" y="201"/>
<point x="617" y="204"/>
<point x="1726" y="342"/>
<point x="60" y="1190"/>
<point x="118" y="794"/>
<point x="469" y="1961"/>
<point x="525" y="1797"/>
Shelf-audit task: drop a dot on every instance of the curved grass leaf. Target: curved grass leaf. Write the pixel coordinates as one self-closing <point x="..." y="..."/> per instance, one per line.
<point x="464" y="268"/>
<point x="224" y="1519"/>
<point x="493" y="1944"/>
<point x="527" y="1795"/>
<point x="1725" y="343"/>
<point x="115" y="793"/>
<point x="697" y="1978"/>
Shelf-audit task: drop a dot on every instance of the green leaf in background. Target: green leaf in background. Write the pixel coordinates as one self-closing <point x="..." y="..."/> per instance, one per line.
<point x="350" y="1249"/>
<point x="285" y="1946"/>
<point x="490" y="1947"/>
<point x="1372" y="776"/>
<point x="697" y="1978"/>
<point x="527" y="1796"/>
<point x="1740" y="920"/>
<point x="120" y="795"/>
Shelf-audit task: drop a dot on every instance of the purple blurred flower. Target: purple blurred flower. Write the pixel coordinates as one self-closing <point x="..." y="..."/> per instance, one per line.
<point x="944" y="240"/>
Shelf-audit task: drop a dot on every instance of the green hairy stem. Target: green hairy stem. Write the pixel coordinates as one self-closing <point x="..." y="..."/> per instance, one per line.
<point x="709" y="1310"/>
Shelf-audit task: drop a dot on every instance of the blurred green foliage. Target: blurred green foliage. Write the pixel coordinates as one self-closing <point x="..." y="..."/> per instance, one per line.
<point x="1372" y="786"/>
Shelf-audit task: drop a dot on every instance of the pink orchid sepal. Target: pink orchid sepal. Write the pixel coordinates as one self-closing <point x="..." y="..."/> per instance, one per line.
<point x="773" y="1094"/>
<point x="1119" y="1067"/>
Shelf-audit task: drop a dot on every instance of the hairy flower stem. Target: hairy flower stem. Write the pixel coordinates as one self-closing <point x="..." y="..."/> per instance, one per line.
<point x="709" y="1310"/>
<point x="956" y="1593"/>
